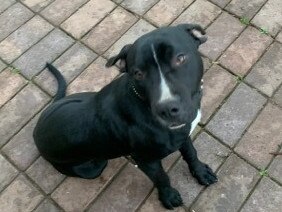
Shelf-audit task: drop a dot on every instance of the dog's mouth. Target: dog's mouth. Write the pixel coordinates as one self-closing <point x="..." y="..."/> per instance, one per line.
<point x="176" y="126"/>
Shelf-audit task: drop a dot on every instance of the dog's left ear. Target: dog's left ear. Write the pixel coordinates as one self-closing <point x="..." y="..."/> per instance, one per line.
<point x="120" y="56"/>
<point x="196" y="31"/>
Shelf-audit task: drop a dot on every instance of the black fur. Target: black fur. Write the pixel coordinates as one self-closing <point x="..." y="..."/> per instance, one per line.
<point x="79" y="133"/>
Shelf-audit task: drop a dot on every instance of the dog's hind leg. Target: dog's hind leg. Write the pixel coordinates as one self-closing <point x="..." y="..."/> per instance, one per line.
<point x="88" y="170"/>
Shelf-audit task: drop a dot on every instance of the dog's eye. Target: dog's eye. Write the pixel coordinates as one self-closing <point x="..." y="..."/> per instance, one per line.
<point x="139" y="75"/>
<point x="180" y="59"/>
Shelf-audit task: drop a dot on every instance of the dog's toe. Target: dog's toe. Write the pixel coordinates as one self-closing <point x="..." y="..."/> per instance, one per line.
<point x="170" y="197"/>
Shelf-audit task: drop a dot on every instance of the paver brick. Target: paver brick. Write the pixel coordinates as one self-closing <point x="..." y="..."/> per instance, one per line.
<point x="165" y="11"/>
<point x="20" y="196"/>
<point x="200" y="12"/>
<point x="214" y="92"/>
<point x="140" y="28"/>
<point x="36" y="5"/>
<point x="245" y="9"/>
<point x="278" y="97"/>
<point x="94" y="77"/>
<point x="47" y="206"/>
<point x="270" y="16"/>
<point x="87" y="17"/>
<point x="7" y="174"/>
<point x="138" y="6"/>
<point x="59" y="10"/>
<point x="207" y="63"/>
<point x="266" y="75"/>
<point x="109" y="30"/>
<point x="5" y="4"/>
<point x="262" y="137"/>
<point x="21" y="149"/>
<point x="19" y="110"/>
<point x="10" y="84"/>
<point x="236" y="114"/>
<point x="221" y="33"/>
<point x="2" y="66"/>
<point x="131" y="187"/>
<point x="266" y="197"/>
<point x="49" y="48"/>
<point x="236" y="180"/>
<point x="245" y="51"/>
<point x="70" y="64"/>
<point x="275" y="168"/>
<point x="279" y="37"/>
<point x="12" y="18"/>
<point x="210" y="151"/>
<point x="75" y="194"/>
<point x="23" y="38"/>
<point x="221" y="3"/>
<point x="45" y="175"/>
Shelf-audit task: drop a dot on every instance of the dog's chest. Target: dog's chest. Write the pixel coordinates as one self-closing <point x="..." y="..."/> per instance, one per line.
<point x="196" y="121"/>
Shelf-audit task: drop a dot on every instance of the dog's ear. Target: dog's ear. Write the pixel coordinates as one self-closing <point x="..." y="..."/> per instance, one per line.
<point x="120" y="56"/>
<point x="196" y="31"/>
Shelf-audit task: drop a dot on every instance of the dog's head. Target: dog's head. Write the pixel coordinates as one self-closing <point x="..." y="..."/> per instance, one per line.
<point x="166" y="71"/>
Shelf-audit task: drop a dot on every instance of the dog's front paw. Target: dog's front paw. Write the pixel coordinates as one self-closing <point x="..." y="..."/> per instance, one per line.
<point x="203" y="173"/>
<point x="170" y="197"/>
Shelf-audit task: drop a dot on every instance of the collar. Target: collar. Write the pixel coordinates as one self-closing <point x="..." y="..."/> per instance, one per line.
<point x="137" y="93"/>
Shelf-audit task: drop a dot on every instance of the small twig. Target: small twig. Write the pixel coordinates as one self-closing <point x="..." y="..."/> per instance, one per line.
<point x="275" y="153"/>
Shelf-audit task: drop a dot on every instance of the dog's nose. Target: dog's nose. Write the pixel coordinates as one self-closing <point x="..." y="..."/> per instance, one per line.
<point x="169" y="110"/>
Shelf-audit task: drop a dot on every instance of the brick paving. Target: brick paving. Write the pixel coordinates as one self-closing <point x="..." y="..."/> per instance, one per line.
<point x="242" y="102"/>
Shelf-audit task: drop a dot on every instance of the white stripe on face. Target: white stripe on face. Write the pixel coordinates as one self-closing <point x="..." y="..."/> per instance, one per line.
<point x="164" y="88"/>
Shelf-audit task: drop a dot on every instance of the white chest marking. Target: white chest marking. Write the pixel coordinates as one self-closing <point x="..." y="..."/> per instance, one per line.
<point x="164" y="88"/>
<point x="196" y="121"/>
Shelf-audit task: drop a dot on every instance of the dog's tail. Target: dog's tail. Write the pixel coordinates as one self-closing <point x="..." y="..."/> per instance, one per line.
<point x="62" y="85"/>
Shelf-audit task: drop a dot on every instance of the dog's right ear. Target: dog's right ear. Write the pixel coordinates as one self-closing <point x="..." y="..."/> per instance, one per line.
<point x="121" y="56"/>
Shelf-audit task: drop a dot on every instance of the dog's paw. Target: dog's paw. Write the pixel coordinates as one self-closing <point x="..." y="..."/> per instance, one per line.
<point x="203" y="173"/>
<point x="170" y="197"/>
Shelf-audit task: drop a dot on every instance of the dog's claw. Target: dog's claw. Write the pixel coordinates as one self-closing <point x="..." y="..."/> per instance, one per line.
<point x="170" y="198"/>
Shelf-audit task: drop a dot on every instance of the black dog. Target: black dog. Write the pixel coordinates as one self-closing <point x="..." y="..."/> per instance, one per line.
<point x="146" y="113"/>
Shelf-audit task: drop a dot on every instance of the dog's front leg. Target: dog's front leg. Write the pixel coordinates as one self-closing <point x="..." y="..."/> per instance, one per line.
<point x="169" y="196"/>
<point x="201" y="171"/>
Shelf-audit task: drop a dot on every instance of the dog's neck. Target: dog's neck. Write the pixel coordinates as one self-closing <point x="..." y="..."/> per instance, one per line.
<point x="137" y="93"/>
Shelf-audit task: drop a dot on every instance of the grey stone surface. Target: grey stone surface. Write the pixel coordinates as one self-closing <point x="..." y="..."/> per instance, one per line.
<point x="138" y="6"/>
<point x="236" y="180"/>
<point x="140" y="28"/>
<point x="266" y="197"/>
<point x="270" y="16"/>
<point x="221" y="33"/>
<point x="266" y="75"/>
<point x="131" y="186"/>
<point x="7" y="174"/>
<point x="12" y="18"/>
<point x="263" y="137"/>
<point x="71" y="63"/>
<point x="278" y="96"/>
<point x="246" y="9"/>
<point x="59" y="10"/>
<point x="236" y="114"/>
<point x="19" y="110"/>
<point x="45" y="175"/>
<point x="201" y="12"/>
<point x="5" y="4"/>
<point x="21" y="195"/>
<point x="214" y="92"/>
<point x="21" y="149"/>
<point x="49" y="48"/>
<point x="23" y="38"/>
